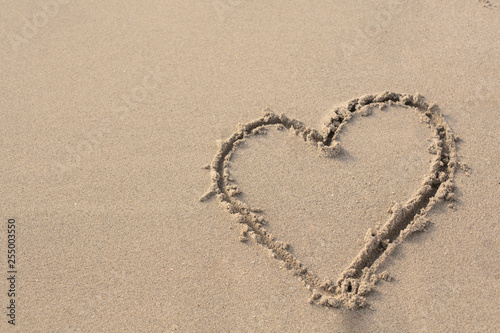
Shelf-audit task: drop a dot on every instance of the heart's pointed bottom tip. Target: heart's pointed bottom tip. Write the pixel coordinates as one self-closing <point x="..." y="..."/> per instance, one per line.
<point x="349" y="302"/>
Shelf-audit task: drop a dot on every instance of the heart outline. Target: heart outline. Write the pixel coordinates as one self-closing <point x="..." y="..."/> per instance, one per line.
<point x="358" y="279"/>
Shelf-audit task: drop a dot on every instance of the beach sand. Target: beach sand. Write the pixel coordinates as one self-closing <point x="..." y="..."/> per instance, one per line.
<point x="118" y="117"/>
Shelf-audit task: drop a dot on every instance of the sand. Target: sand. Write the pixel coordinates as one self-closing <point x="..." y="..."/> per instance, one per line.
<point x="350" y="152"/>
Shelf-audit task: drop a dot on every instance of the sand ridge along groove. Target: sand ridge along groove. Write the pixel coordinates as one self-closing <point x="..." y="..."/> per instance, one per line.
<point x="357" y="280"/>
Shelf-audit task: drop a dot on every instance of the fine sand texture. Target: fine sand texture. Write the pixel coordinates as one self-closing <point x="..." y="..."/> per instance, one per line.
<point x="250" y="166"/>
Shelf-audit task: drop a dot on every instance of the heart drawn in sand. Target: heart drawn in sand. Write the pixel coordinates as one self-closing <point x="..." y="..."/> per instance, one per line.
<point x="359" y="278"/>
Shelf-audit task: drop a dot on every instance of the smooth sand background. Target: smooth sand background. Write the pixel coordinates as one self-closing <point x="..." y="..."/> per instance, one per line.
<point x="111" y="234"/>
